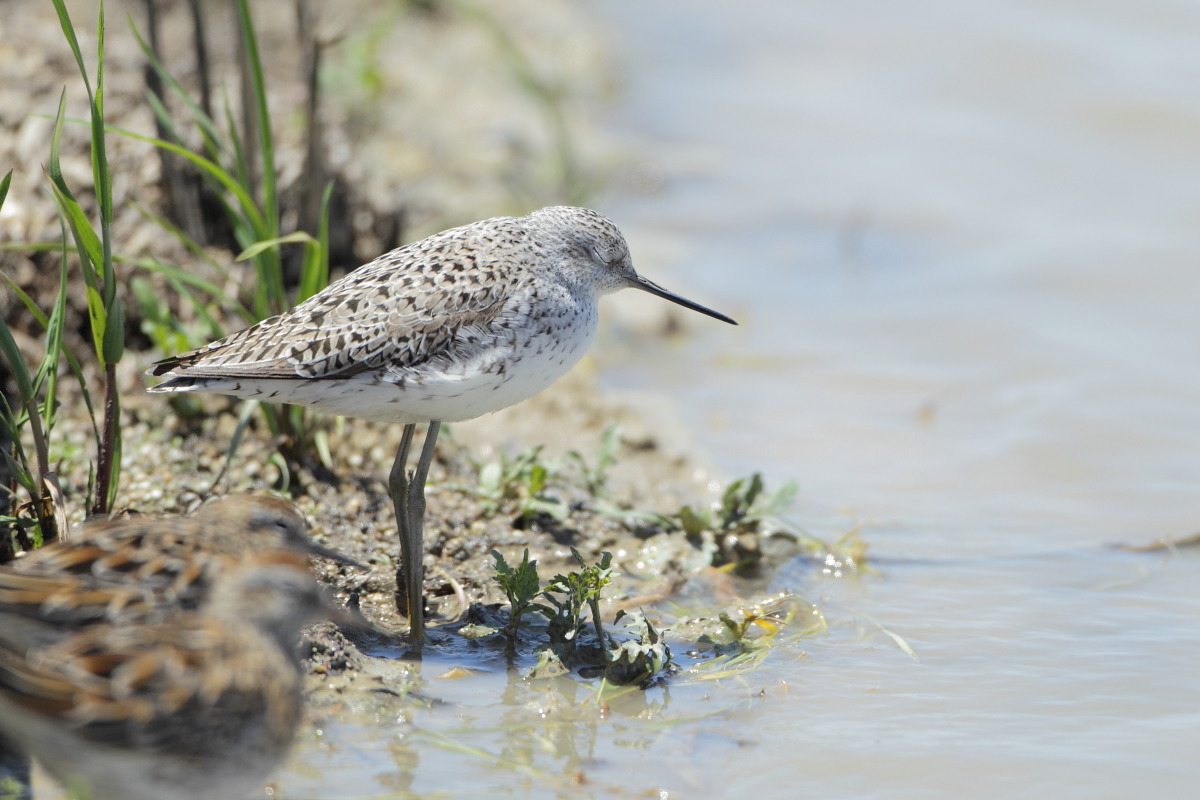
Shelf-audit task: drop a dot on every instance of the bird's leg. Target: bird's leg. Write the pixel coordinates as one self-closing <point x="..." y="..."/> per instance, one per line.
<point x="398" y="486"/>
<point x="416" y="526"/>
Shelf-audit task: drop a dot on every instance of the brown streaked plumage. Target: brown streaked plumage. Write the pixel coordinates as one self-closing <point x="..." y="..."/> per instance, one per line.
<point x="200" y="705"/>
<point x="145" y="567"/>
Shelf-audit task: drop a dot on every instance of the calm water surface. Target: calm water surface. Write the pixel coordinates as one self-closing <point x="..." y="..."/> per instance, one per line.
<point x="962" y="240"/>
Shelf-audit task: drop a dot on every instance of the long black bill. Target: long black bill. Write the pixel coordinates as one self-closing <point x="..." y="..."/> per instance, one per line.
<point x="654" y="288"/>
<point x="333" y="555"/>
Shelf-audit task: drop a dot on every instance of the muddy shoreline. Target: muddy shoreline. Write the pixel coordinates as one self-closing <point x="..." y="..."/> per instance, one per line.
<point x="171" y="463"/>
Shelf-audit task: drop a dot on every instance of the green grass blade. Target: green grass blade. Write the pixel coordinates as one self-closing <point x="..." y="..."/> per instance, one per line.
<point x="246" y="235"/>
<point x="55" y="325"/>
<point x="235" y="142"/>
<point x="89" y="247"/>
<point x="16" y="364"/>
<point x="259" y="248"/>
<point x="314" y="272"/>
<point x="258" y="84"/>
<point x="17" y="461"/>
<point x="182" y="237"/>
<point x="271" y="298"/>
<point x="101" y="181"/>
<point x="112" y="341"/>
<point x="30" y="247"/>
<point x="239" y="430"/>
<point x="53" y="166"/>
<point x="72" y="361"/>
<point x="208" y="167"/>
<point x="68" y="29"/>
<point x="27" y="301"/>
<point x="20" y="372"/>
<point x="86" y="241"/>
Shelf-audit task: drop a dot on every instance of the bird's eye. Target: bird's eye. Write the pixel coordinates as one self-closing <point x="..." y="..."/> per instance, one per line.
<point x="606" y="257"/>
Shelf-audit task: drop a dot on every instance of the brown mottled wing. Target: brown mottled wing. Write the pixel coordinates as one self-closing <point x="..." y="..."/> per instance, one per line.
<point x="404" y="308"/>
<point x="129" y="569"/>
<point x="150" y="687"/>
<point x="132" y="547"/>
<point x="36" y="610"/>
<point x="165" y="554"/>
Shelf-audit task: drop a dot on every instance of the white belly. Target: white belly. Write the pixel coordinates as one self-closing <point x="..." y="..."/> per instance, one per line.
<point x="497" y="376"/>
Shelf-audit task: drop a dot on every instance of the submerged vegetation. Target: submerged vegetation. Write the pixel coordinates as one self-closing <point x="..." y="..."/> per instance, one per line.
<point x="553" y="616"/>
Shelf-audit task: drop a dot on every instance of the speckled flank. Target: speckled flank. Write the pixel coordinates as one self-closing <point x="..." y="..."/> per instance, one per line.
<point x="465" y="322"/>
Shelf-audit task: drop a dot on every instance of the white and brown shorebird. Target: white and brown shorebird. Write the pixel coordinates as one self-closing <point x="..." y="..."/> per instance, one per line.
<point x="468" y="321"/>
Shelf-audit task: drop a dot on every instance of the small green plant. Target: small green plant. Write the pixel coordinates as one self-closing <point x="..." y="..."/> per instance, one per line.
<point x="595" y="475"/>
<point x="754" y="625"/>
<point x="519" y="481"/>
<point x="732" y="528"/>
<point x="38" y="389"/>
<point x="40" y="484"/>
<point x="521" y="586"/>
<point x="639" y="660"/>
<point x="522" y="482"/>
<point x="94" y="251"/>
<point x="568" y="594"/>
<point x="742" y="638"/>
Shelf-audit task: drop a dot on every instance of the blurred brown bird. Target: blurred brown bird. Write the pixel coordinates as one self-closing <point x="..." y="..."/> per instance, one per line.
<point x="143" y="568"/>
<point x="200" y="705"/>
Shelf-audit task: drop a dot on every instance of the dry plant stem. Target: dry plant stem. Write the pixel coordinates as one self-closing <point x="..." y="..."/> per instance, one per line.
<point x="184" y="194"/>
<point x="199" y="43"/>
<point x="58" y="507"/>
<point x="314" y="168"/>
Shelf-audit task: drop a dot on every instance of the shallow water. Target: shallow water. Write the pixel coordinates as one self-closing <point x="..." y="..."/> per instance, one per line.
<point x="962" y="245"/>
<point x="961" y="242"/>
